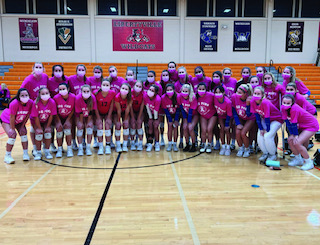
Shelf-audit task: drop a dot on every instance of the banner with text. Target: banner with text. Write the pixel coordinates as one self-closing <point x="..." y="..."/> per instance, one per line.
<point x="64" y="34"/>
<point x="294" y="39"/>
<point x="137" y="35"/>
<point x="29" y="36"/>
<point x="242" y="36"/>
<point x="208" y="36"/>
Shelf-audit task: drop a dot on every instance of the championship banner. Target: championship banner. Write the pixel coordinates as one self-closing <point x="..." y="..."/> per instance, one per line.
<point x="242" y="36"/>
<point x="29" y="36"/>
<point x="137" y="35"/>
<point x="294" y="39"/>
<point x="64" y="34"/>
<point x="208" y="36"/>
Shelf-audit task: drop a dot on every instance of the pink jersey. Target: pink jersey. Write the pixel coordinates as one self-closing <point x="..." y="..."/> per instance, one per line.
<point x="153" y="104"/>
<point x="131" y="83"/>
<point x="195" y="82"/>
<point x="81" y="105"/>
<point x="33" y="85"/>
<point x="105" y="102"/>
<point x="266" y="109"/>
<point x="215" y="86"/>
<point x="53" y="85"/>
<point x="16" y="108"/>
<point x="43" y="112"/>
<point x="65" y="107"/>
<point x="224" y="109"/>
<point x="75" y="84"/>
<point x="241" y="107"/>
<point x="273" y="93"/>
<point x="94" y="83"/>
<point x="116" y="84"/>
<point x="206" y="107"/>
<point x="186" y="104"/>
<point x="174" y="76"/>
<point x="123" y="102"/>
<point x="166" y="103"/>
<point x="136" y="100"/>
<point x="304" y="119"/>
<point x="146" y="87"/>
<point x="231" y="86"/>
<point x="304" y="104"/>
<point x="301" y="88"/>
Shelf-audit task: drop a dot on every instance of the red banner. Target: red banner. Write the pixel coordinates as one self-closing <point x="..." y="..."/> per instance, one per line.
<point x="137" y="35"/>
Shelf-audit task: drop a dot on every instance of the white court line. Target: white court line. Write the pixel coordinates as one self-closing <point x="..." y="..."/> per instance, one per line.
<point x="14" y="203"/>
<point x="307" y="172"/>
<point x="185" y="206"/>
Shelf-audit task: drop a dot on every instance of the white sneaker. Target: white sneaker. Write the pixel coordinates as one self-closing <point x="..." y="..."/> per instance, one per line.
<point x="133" y="146"/>
<point x="100" y="151"/>
<point x="157" y="146"/>
<point x="162" y="143"/>
<point x="118" y="148"/>
<point x="307" y="165"/>
<point x="38" y="156"/>
<point x="53" y="148"/>
<point x="80" y="151"/>
<point x="175" y="147"/>
<point x="263" y="157"/>
<point x="228" y="151"/>
<point x="88" y="150"/>
<point x="202" y="147"/>
<point x="69" y="152"/>
<point x="95" y="143"/>
<point x="59" y="153"/>
<point x="240" y="151"/>
<point x="149" y="147"/>
<point x="246" y="153"/>
<point x="26" y="157"/>
<point x="125" y="147"/>
<point x="108" y="150"/>
<point x="217" y="146"/>
<point x="140" y="147"/>
<point x="296" y="161"/>
<point x="222" y="150"/>
<point x="169" y="148"/>
<point x="47" y="154"/>
<point x="8" y="160"/>
<point x="272" y="158"/>
<point x="75" y="146"/>
<point x="209" y="148"/>
<point x="34" y="152"/>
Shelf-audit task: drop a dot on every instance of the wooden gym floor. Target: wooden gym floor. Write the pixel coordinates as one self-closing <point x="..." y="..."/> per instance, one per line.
<point x="156" y="198"/>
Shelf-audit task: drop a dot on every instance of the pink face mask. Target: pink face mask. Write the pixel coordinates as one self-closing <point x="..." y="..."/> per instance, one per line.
<point x="58" y="74"/>
<point x="38" y="71"/>
<point x="170" y="93"/>
<point x="216" y="80"/>
<point x="63" y="92"/>
<point x="124" y="92"/>
<point x="81" y="73"/>
<point x="286" y="76"/>
<point x="165" y="79"/>
<point x="45" y="97"/>
<point x="129" y="78"/>
<point x="171" y="70"/>
<point x="137" y="89"/>
<point x="255" y="97"/>
<point x="97" y="75"/>
<point x="182" y="75"/>
<point x="184" y="94"/>
<point x="260" y="75"/>
<point x="254" y="85"/>
<point x="201" y="93"/>
<point x="86" y="95"/>
<point x="268" y="82"/>
<point x="291" y="92"/>
<point x="199" y="75"/>
<point x="113" y="74"/>
<point x="24" y="100"/>
<point x="105" y="88"/>
<point x="226" y="76"/>
<point x="245" y="75"/>
<point x="219" y="96"/>
<point x="285" y="107"/>
<point x="150" y="94"/>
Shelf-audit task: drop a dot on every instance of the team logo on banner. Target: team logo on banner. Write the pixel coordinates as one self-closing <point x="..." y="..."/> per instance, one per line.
<point x="29" y="37"/>
<point x="64" y="34"/>
<point x="242" y="36"/>
<point x="294" y="38"/>
<point x="208" y="35"/>
<point x="137" y="35"/>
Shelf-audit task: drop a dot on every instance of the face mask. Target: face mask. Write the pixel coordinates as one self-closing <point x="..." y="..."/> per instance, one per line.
<point x="58" y="74"/>
<point x="254" y="85"/>
<point x="255" y="97"/>
<point x="97" y="75"/>
<point x="38" y="71"/>
<point x="150" y="93"/>
<point x="201" y="93"/>
<point x="45" y="97"/>
<point x="285" y="107"/>
<point x="216" y="80"/>
<point x="24" y="99"/>
<point x="165" y="79"/>
<point x="129" y="78"/>
<point x="226" y="76"/>
<point x="171" y="70"/>
<point x="291" y="92"/>
<point x="286" y="76"/>
<point x="199" y="75"/>
<point x="268" y="83"/>
<point x="137" y="89"/>
<point x="170" y="93"/>
<point x="86" y="95"/>
<point x="245" y="75"/>
<point x="182" y="75"/>
<point x="260" y="75"/>
<point x="105" y="88"/>
<point x="184" y="94"/>
<point x="150" y="79"/>
<point x="124" y="92"/>
<point x="81" y="73"/>
<point x="113" y="74"/>
<point x="63" y="92"/>
<point x="219" y="96"/>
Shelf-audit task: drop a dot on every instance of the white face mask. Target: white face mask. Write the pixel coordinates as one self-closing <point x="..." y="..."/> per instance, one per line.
<point x="113" y="74"/>
<point x="137" y="89"/>
<point x="38" y="71"/>
<point x="150" y="79"/>
<point x="129" y="78"/>
<point x="105" y="88"/>
<point x="24" y="99"/>
<point x="97" y="75"/>
<point x="150" y="93"/>
<point x="165" y="79"/>
<point x="45" y="97"/>
<point x="81" y="73"/>
<point x="63" y="92"/>
<point x="57" y="74"/>
<point x="86" y="95"/>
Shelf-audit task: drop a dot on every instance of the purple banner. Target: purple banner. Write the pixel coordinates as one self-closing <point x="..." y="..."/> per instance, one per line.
<point x="29" y="36"/>
<point x="294" y="40"/>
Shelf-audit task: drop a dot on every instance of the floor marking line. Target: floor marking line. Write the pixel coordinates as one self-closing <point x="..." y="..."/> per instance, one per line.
<point x="312" y="174"/>
<point x="194" y="234"/>
<point x="14" y="203"/>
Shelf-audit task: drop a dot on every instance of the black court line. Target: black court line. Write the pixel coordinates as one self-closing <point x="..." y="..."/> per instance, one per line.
<point x="124" y="168"/>
<point x="103" y="198"/>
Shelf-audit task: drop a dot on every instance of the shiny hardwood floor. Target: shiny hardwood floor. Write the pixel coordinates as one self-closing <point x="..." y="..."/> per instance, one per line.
<point x="207" y="199"/>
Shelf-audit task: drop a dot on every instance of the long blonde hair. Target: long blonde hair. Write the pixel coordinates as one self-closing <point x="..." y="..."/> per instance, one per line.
<point x="190" y="89"/>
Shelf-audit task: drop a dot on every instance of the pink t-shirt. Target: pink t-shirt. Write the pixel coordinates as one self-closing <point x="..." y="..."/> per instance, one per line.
<point x="131" y="83"/>
<point x="266" y="109"/>
<point x="16" y="108"/>
<point x="75" y="84"/>
<point x="104" y="102"/>
<point x="186" y="104"/>
<point x="174" y="76"/>
<point x="224" y="108"/>
<point x="53" y="85"/>
<point x="301" y="88"/>
<point x="116" y="84"/>
<point x="33" y="85"/>
<point x="123" y="102"/>
<point x="241" y="107"/>
<point x="206" y="107"/>
<point x="195" y="82"/>
<point x="43" y="111"/>
<point x="304" y="119"/>
<point x="65" y="107"/>
<point x="154" y="104"/>
<point x="231" y="86"/>
<point x="136" y="100"/>
<point x="146" y="87"/>
<point x="81" y="105"/>
<point x="273" y="93"/>
<point x="166" y="103"/>
<point x="94" y="83"/>
<point x="303" y="103"/>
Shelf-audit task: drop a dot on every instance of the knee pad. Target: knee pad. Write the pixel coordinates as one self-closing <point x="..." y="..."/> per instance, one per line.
<point x="161" y="125"/>
<point x="39" y="137"/>
<point x="59" y="135"/>
<point x="140" y="131"/>
<point x="47" y="136"/>
<point x="80" y="132"/>
<point x="117" y="133"/>
<point x="24" y="138"/>
<point x="108" y="132"/>
<point x="99" y="133"/>
<point x="32" y="130"/>
<point x="133" y="132"/>
<point x="126" y="132"/>
<point x="89" y="131"/>
<point x="67" y="132"/>
<point x="11" y="141"/>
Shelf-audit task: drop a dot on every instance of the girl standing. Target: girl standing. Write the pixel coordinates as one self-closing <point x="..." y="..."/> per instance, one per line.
<point x="77" y="81"/>
<point x="272" y="89"/>
<point x="289" y="75"/>
<point x="57" y="78"/>
<point x="229" y="82"/>
<point x="245" y="74"/>
<point x="184" y="78"/>
<point x="115" y="80"/>
<point x="200" y="77"/>
<point x="172" y="71"/>
<point x="260" y="71"/>
<point x="95" y="81"/>
<point x="130" y="78"/>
